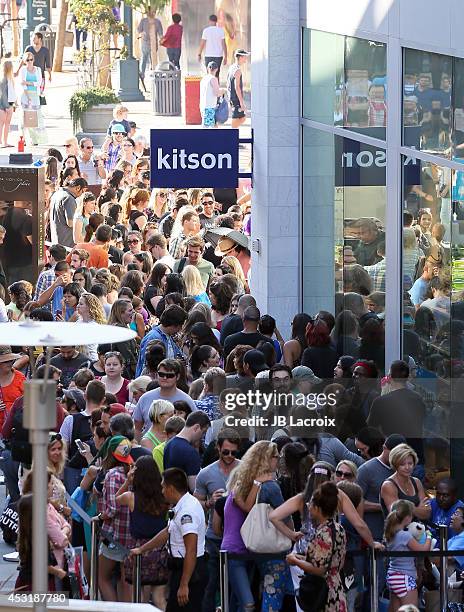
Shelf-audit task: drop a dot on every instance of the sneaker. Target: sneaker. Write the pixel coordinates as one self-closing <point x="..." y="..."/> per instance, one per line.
<point x="12" y="557"/>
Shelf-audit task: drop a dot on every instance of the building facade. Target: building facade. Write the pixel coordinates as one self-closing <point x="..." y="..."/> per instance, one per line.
<point x="358" y="115"/>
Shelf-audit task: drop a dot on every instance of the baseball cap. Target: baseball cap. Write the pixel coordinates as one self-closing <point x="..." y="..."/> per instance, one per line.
<point x="118" y="128"/>
<point x="122" y="451"/>
<point x="305" y="373"/>
<point x="241" y="53"/>
<point x="77" y="396"/>
<point x="255" y="360"/>
<point x="212" y="66"/>
<point x="393" y="440"/>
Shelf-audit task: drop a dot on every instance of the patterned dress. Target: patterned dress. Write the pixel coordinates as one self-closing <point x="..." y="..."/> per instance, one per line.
<point x="318" y="553"/>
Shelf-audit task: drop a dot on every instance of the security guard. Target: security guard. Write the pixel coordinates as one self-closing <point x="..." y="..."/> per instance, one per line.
<point x="185" y="537"/>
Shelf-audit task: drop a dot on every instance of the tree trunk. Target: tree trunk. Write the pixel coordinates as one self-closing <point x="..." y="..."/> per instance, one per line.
<point x="104" y="63"/>
<point x="59" y="45"/>
<point x="153" y="42"/>
<point x="15" y="25"/>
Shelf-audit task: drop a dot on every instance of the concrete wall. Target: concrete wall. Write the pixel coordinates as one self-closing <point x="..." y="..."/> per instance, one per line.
<point x="275" y="73"/>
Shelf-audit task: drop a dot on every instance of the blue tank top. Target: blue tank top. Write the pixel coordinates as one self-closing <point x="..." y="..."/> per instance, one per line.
<point x="143" y="525"/>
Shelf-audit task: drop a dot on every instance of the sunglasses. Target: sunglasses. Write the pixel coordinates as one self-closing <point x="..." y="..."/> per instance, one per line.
<point x="162" y="195"/>
<point x="66" y="146"/>
<point x="342" y="474"/>
<point x="88" y="147"/>
<point x="54" y="437"/>
<point x="127" y="145"/>
<point x="31" y="59"/>
<point x="208" y="203"/>
<point x="227" y="452"/>
<point x="166" y="374"/>
<point x="133" y="241"/>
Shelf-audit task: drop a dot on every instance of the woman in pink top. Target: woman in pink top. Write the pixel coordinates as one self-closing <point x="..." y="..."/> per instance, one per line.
<point x="58" y="528"/>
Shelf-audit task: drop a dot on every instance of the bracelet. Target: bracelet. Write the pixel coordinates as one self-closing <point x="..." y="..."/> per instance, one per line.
<point x="257" y="483"/>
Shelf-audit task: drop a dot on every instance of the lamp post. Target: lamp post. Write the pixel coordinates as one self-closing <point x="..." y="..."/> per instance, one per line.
<point x="40" y="417"/>
<point x="128" y="69"/>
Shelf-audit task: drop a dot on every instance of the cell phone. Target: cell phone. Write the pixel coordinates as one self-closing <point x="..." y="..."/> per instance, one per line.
<point x="81" y="446"/>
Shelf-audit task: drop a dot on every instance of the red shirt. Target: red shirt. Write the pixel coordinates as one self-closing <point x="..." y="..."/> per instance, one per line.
<point x="10" y="393"/>
<point x="173" y="37"/>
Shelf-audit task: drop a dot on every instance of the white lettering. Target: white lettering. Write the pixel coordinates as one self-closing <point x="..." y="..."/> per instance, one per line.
<point x="178" y="158"/>
<point x="163" y="160"/>
<point x="204" y="161"/>
<point x="380" y="158"/>
<point x="360" y="159"/>
<point x="227" y="157"/>
<point x="194" y="162"/>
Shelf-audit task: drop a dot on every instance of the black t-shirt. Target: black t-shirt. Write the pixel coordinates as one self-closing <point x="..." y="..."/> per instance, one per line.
<point x="227" y="196"/>
<point x="69" y="367"/>
<point x="134" y="215"/>
<point x="17" y="250"/>
<point x="150" y="292"/>
<point x="321" y="359"/>
<point x="139" y="451"/>
<point x="230" y="325"/>
<point x="401" y="411"/>
<point x="243" y="338"/>
<point x="115" y="255"/>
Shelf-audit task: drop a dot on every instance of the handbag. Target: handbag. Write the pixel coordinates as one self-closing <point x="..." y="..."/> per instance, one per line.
<point x="258" y="533"/>
<point x="31" y="119"/>
<point x="43" y="100"/>
<point x="313" y="591"/>
<point x="222" y="110"/>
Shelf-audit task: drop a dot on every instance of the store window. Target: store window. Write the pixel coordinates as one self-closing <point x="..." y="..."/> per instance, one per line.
<point x="344" y="265"/>
<point x="344" y="82"/>
<point x="427" y="96"/>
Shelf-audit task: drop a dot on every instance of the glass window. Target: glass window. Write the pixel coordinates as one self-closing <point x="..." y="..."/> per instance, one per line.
<point x="323" y="76"/>
<point x="344" y="82"/>
<point x="430" y="287"/>
<point x="427" y="90"/>
<point x="344" y="202"/>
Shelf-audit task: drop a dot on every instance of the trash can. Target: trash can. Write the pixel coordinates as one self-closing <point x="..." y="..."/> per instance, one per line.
<point x="192" y="100"/>
<point x="166" y="90"/>
<point x="49" y="38"/>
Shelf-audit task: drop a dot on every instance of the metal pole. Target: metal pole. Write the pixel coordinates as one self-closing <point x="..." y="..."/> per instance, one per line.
<point x="224" y="578"/>
<point x="39" y="441"/>
<point x="374" y="583"/>
<point x="137" y="580"/>
<point x="443" y="539"/>
<point x="95" y="532"/>
<point x="39" y="418"/>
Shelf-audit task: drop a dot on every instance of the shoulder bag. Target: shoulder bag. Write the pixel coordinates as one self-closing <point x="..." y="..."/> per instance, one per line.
<point x="258" y="533"/>
<point x="222" y="110"/>
<point x="313" y="591"/>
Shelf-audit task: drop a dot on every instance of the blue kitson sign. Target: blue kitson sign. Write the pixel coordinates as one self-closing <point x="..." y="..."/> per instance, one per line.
<point x="194" y="158"/>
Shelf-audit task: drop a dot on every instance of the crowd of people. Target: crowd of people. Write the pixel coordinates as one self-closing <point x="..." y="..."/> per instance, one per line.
<point x="176" y="438"/>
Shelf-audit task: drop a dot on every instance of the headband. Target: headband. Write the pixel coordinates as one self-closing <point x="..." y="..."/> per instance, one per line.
<point x="364" y="364"/>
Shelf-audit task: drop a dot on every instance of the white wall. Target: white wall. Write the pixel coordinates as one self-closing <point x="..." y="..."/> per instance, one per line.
<point x="427" y="24"/>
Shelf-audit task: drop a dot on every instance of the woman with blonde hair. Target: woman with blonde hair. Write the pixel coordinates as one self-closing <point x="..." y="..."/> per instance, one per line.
<point x="346" y="470"/>
<point x="30" y="78"/>
<point x="126" y="169"/>
<point x="137" y="202"/>
<point x="7" y="102"/>
<point x="194" y="285"/>
<point x="158" y="204"/>
<point x="403" y="485"/>
<point x="86" y="205"/>
<point x="159" y="413"/>
<point x="236" y="269"/>
<point x="56" y="461"/>
<point x="254" y="480"/>
<point x="90" y="310"/>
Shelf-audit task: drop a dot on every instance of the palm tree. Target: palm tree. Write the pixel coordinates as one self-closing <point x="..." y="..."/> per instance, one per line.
<point x="149" y="8"/>
<point x="59" y="46"/>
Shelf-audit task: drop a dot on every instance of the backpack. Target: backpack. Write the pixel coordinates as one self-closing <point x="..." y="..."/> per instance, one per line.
<point x="9" y="524"/>
<point x="21" y="449"/>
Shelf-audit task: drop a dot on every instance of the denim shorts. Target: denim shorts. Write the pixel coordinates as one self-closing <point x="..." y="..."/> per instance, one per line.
<point x="113" y="551"/>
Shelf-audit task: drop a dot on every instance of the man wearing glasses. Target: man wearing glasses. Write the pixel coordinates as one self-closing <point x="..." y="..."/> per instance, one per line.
<point x="168" y="377"/>
<point x="92" y="168"/>
<point x="210" y="486"/>
<point x="71" y="146"/>
<point x="112" y="149"/>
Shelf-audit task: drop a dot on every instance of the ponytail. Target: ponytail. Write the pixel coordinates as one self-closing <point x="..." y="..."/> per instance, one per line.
<point x="400" y="510"/>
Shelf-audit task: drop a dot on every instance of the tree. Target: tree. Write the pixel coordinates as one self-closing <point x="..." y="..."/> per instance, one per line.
<point x="59" y="46"/>
<point x="149" y="8"/>
<point x="97" y="17"/>
<point x="15" y="26"/>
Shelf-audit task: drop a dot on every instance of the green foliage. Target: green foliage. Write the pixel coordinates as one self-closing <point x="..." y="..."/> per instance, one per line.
<point x="83" y="100"/>
<point x="144" y="6"/>
<point x="97" y="17"/>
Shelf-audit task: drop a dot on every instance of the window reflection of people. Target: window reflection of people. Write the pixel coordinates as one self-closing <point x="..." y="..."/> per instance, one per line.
<point x="418" y="291"/>
<point x="370" y="236"/>
<point x="16" y="218"/>
<point x="440" y="303"/>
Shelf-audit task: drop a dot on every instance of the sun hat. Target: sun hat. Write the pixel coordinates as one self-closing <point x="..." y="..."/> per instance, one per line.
<point x="6" y="355"/>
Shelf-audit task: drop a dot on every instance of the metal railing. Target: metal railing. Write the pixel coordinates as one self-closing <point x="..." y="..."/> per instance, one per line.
<point x="373" y="557"/>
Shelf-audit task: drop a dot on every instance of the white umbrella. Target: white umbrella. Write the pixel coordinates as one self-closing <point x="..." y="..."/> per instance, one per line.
<point x="50" y="333"/>
<point x="40" y="413"/>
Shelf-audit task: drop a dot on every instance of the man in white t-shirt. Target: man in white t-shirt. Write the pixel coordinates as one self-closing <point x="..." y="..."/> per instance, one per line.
<point x="214" y="44"/>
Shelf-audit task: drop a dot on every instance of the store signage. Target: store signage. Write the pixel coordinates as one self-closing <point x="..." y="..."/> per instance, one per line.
<point x="194" y="158"/>
<point x="360" y="165"/>
<point x="39" y="12"/>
